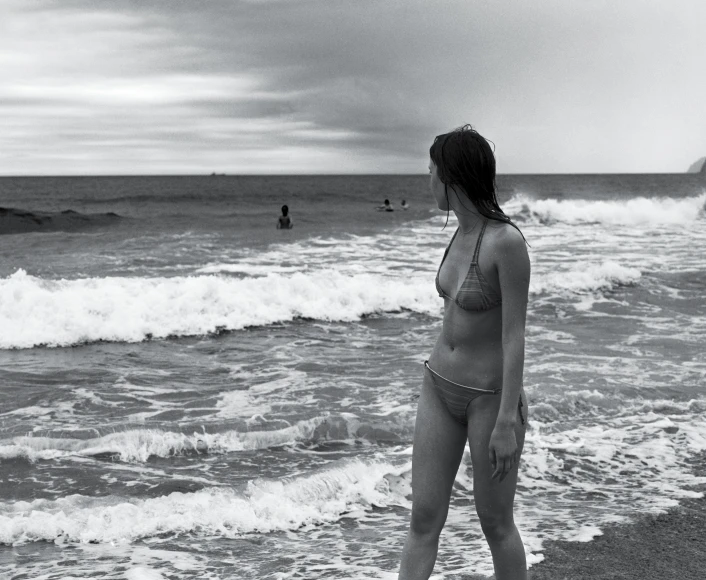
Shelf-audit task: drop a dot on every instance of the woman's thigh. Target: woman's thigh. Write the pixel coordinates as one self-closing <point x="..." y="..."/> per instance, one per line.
<point x="439" y="442"/>
<point x="493" y="498"/>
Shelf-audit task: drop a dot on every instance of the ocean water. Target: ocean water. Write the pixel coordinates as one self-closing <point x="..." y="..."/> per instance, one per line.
<point x="190" y="393"/>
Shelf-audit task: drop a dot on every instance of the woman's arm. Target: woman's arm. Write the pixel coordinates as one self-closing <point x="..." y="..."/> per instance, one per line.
<point x="513" y="275"/>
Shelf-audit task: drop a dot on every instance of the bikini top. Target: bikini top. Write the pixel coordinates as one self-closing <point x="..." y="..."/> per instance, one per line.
<point x="475" y="293"/>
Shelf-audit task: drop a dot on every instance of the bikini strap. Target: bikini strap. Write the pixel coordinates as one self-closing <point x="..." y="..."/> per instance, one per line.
<point x="449" y="247"/>
<point x="480" y="238"/>
<point x="453" y="238"/>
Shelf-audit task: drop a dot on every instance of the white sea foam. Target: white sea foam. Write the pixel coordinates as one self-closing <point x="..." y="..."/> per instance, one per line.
<point x="634" y="443"/>
<point x="566" y="490"/>
<point x="138" y="445"/>
<point x="264" y="506"/>
<point x="143" y="573"/>
<point x="248" y="269"/>
<point x="603" y="276"/>
<point x="35" y="311"/>
<point x="574" y="481"/>
<point x="633" y="211"/>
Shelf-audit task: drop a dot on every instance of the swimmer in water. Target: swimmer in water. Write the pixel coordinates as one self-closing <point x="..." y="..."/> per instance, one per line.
<point x="404" y="204"/>
<point x="285" y="222"/>
<point x="385" y="206"/>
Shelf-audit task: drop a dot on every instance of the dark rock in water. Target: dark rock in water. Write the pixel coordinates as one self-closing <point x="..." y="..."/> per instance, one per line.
<point x="19" y="221"/>
<point x="699" y="166"/>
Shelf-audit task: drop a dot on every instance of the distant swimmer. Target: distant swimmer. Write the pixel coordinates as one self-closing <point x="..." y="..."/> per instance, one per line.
<point x="385" y="206"/>
<point x="285" y="222"/>
<point x="404" y="204"/>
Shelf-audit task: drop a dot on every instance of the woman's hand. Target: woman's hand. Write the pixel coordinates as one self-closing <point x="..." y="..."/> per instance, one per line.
<point x="502" y="450"/>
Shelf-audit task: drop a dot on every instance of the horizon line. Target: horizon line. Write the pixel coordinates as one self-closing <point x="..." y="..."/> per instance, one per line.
<point x="90" y="175"/>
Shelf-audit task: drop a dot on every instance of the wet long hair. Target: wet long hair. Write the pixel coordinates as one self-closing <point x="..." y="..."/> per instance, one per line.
<point x="464" y="159"/>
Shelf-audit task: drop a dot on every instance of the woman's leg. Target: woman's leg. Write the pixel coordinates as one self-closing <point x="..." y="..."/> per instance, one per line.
<point x="439" y="441"/>
<point x="494" y="500"/>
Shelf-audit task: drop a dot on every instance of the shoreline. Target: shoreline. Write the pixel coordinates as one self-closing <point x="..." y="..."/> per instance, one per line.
<point x="668" y="545"/>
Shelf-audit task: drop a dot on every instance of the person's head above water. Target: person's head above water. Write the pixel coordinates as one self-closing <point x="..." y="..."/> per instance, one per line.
<point x="285" y="210"/>
<point x="387" y="202"/>
<point x="463" y="161"/>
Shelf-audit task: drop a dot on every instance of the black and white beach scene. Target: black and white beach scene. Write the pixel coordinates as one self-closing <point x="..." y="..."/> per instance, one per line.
<point x="232" y="233"/>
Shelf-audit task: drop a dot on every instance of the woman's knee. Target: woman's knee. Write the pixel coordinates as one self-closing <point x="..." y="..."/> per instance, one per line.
<point x="428" y="519"/>
<point x="496" y="527"/>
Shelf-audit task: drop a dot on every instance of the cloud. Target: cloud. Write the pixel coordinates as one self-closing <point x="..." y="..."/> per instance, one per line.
<point x="346" y="86"/>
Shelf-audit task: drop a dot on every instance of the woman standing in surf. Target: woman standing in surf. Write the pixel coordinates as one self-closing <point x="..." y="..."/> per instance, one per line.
<point x="472" y="388"/>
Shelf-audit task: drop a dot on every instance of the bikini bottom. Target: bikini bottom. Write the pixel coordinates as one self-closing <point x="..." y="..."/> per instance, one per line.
<point x="457" y="397"/>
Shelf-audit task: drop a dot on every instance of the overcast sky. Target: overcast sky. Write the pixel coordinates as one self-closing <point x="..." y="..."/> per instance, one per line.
<point x="349" y="86"/>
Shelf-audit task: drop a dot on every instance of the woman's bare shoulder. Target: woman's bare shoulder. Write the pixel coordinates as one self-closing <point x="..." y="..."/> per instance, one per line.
<point x="506" y="238"/>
